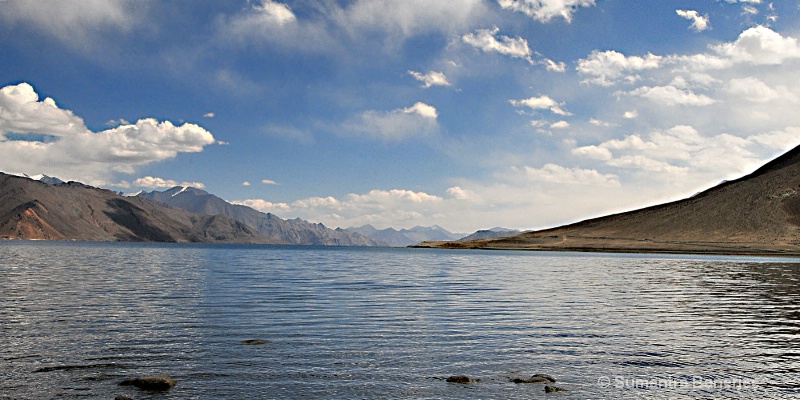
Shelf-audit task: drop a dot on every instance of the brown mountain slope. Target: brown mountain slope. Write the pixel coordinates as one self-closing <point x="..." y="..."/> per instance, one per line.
<point x="756" y="214"/>
<point x="31" y="209"/>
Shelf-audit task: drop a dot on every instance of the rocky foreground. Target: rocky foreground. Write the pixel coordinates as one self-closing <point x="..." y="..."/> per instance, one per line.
<point x="758" y="214"/>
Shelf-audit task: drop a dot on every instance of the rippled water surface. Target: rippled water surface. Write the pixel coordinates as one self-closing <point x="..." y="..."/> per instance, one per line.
<point x="77" y="318"/>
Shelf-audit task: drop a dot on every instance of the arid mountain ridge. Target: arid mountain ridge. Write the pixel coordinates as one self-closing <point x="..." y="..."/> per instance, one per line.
<point x="31" y="209"/>
<point x="757" y="214"/>
<point x="46" y="208"/>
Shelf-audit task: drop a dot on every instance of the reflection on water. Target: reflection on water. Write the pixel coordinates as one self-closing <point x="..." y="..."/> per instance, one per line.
<point x="77" y="318"/>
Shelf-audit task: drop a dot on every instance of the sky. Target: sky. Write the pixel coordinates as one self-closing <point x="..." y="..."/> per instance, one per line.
<point x="467" y="114"/>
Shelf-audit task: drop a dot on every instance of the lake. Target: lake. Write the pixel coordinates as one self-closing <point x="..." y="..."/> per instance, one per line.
<point x="370" y="323"/>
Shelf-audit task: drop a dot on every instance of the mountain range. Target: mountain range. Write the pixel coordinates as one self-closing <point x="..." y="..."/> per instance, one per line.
<point x="46" y="208"/>
<point x="32" y="209"/>
<point x="756" y="214"/>
<point x="406" y="237"/>
<point x="295" y="231"/>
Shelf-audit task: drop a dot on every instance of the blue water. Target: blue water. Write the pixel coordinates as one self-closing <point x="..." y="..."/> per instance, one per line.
<point x="341" y="323"/>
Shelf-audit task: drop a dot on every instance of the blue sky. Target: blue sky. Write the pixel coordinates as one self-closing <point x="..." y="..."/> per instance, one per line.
<point x="468" y="114"/>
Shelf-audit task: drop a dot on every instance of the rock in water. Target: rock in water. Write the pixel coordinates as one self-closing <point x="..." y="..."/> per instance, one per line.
<point x="551" y="389"/>
<point x="461" y="379"/>
<point x="536" y="378"/>
<point x="122" y="397"/>
<point x="254" y="342"/>
<point x="155" y="382"/>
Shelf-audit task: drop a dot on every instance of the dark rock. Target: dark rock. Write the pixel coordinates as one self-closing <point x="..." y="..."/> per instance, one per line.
<point x="551" y="389"/>
<point x="122" y="397"/>
<point x="156" y="382"/>
<point x="536" y="378"/>
<point x="254" y="342"/>
<point x="461" y="379"/>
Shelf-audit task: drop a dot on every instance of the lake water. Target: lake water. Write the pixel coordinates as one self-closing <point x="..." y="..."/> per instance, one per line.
<point x="365" y="323"/>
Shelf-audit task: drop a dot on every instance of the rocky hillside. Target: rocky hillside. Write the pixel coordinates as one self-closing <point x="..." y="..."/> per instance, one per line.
<point x="756" y="214"/>
<point x="295" y="231"/>
<point x="32" y="209"/>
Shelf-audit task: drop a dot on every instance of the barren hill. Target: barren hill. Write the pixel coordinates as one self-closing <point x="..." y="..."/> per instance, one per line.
<point x="756" y="214"/>
<point x="30" y="209"/>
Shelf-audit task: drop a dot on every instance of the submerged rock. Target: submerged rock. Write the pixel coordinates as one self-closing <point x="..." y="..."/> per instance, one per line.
<point x="551" y="389"/>
<point x="154" y="382"/>
<point x="254" y="342"/>
<point x="536" y="378"/>
<point x="461" y="379"/>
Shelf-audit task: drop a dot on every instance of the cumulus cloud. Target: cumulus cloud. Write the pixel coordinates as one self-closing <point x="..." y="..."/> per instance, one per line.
<point x="699" y="22"/>
<point x="459" y="193"/>
<point x="760" y="46"/>
<point x="560" y="125"/>
<point x="432" y="78"/>
<point x="263" y="205"/>
<point x="606" y="68"/>
<point x="416" y="121"/>
<point x="149" y="182"/>
<point x="755" y="90"/>
<point x="396" y="207"/>
<point x="672" y="96"/>
<point x="545" y="10"/>
<point x="22" y="112"/>
<point x="268" y="182"/>
<point x="553" y="173"/>
<point x="75" y="152"/>
<point x="541" y="103"/>
<point x="682" y="148"/>
<point x="488" y="40"/>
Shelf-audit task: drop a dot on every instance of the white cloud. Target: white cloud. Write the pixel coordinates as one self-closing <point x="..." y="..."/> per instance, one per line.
<point x="22" y="112"/>
<point x="263" y="205"/>
<point x="699" y="22"/>
<point x="423" y="110"/>
<point x="488" y="41"/>
<point x="358" y="20"/>
<point x="411" y="17"/>
<point x="245" y="183"/>
<point x="73" y="22"/>
<point x="672" y="96"/>
<point x="74" y="152"/>
<point x="633" y="114"/>
<point x="606" y="68"/>
<point x="553" y="173"/>
<point x="560" y="125"/>
<point x="755" y="90"/>
<point x="432" y="78"/>
<point x="209" y="115"/>
<point x="263" y="17"/>
<point x="759" y="46"/>
<point x="149" y="182"/>
<point x="541" y="103"/>
<point x="593" y="152"/>
<point x="416" y="121"/>
<point x="268" y="182"/>
<point x="597" y="122"/>
<point x="682" y="149"/>
<point x="545" y="10"/>
<point x="458" y="193"/>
